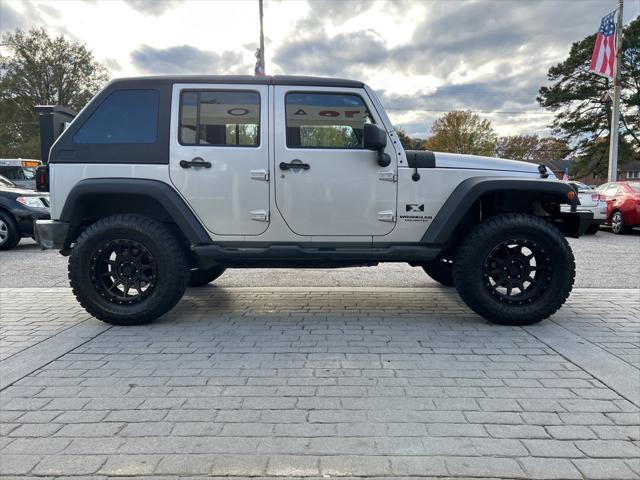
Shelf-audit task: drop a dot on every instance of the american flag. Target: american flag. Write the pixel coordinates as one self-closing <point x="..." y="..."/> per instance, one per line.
<point x="604" y="52"/>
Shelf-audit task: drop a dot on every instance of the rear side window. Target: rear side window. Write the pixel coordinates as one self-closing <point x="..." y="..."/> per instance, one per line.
<point x="220" y="118"/>
<point x="611" y="190"/>
<point x="126" y="116"/>
<point x="325" y="120"/>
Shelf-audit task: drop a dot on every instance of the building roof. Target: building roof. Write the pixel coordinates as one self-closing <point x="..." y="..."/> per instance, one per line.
<point x="248" y="80"/>
<point x="630" y="167"/>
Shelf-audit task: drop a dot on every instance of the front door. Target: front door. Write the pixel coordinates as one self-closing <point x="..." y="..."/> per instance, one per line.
<point x="326" y="183"/>
<point x="219" y="155"/>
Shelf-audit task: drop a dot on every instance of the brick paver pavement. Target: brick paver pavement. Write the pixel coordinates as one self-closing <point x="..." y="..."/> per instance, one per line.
<point x="320" y="382"/>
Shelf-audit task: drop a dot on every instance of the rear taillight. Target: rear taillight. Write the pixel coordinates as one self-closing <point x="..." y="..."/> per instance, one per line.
<point x="42" y="178"/>
<point x="596" y="197"/>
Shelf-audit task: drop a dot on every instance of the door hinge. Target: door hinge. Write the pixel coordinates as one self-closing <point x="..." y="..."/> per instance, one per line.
<point x="259" y="215"/>
<point x="388" y="176"/>
<point x="260" y="175"/>
<point x="387" y="216"/>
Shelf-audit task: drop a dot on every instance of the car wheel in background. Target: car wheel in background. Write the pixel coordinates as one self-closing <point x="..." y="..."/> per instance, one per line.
<point x="9" y="234"/>
<point x="617" y="223"/>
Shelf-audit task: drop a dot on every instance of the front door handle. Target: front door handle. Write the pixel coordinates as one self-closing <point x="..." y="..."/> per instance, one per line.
<point x="294" y="165"/>
<point x="196" y="162"/>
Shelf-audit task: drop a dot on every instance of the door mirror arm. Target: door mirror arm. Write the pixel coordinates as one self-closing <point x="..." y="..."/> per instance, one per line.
<point x="375" y="138"/>
<point x="384" y="160"/>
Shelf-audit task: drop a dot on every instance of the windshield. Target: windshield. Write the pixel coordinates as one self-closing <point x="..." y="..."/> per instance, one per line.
<point x="635" y="186"/>
<point x="18" y="173"/>
<point x="5" y="182"/>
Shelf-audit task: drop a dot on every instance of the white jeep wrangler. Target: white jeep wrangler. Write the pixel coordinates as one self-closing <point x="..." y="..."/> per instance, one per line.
<point x="164" y="182"/>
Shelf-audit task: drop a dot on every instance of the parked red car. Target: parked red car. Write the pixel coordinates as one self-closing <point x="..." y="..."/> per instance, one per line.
<point x="623" y="205"/>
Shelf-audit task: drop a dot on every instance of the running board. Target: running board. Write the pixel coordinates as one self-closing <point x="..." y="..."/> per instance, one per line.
<point x="294" y="256"/>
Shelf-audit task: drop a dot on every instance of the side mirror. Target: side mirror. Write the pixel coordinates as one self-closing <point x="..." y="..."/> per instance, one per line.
<point x="375" y="138"/>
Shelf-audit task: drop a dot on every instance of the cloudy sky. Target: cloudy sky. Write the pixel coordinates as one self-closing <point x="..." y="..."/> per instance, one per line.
<point x="422" y="57"/>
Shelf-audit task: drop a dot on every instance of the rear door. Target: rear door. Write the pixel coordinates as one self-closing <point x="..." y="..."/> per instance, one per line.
<point x="219" y="155"/>
<point x="326" y="183"/>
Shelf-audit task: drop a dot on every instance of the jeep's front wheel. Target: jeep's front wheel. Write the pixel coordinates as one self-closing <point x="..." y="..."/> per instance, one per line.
<point x="128" y="270"/>
<point x="514" y="269"/>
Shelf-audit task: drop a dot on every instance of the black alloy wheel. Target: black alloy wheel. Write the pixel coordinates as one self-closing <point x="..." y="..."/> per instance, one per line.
<point x="517" y="271"/>
<point x="123" y="271"/>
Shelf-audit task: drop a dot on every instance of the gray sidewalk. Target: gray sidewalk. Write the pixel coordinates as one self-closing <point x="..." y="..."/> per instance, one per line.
<point x="320" y="382"/>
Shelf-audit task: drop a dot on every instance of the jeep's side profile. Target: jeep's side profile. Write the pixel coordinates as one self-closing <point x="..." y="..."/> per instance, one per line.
<point x="162" y="182"/>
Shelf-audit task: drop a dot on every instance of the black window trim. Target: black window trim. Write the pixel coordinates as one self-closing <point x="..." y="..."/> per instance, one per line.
<point x="315" y="92"/>
<point x="97" y="108"/>
<point x="197" y="91"/>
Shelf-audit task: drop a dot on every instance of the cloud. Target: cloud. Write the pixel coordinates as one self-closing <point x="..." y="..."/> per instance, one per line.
<point x="155" y="8"/>
<point x="112" y="64"/>
<point x="10" y="19"/>
<point x="31" y="17"/>
<point x="188" y="59"/>
<point x="487" y="56"/>
<point x="49" y="10"/>
<point x="324" y="55"/>
<point x="337" y="11"/>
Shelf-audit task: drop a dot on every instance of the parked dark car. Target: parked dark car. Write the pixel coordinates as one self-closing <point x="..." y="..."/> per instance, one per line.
<point x="623" y="205"/>
<point x="19" y="208"/>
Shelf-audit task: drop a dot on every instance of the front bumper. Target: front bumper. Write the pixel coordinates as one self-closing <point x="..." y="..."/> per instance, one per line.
<point x="575" y="224"/>
<point x="51" y="234"/>
<point x="26" y="219"/>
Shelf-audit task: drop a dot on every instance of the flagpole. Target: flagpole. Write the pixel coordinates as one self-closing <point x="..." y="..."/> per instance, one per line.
<point x="615" y="111"/>
<point x="262" y="37"/>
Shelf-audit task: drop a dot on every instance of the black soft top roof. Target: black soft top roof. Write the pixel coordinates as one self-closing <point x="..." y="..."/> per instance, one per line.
<point x="245" y="80"/>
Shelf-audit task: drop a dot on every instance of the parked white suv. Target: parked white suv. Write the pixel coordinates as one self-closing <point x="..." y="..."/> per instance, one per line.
<point x="165" y="181"/>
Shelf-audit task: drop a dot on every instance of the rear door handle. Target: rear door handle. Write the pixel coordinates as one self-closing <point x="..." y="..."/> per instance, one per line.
<point x="294" y="165"/>
<point x="196" y="162"/>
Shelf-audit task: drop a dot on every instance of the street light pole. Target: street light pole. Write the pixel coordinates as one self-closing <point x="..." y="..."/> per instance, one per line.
<point x="615" y="111"/>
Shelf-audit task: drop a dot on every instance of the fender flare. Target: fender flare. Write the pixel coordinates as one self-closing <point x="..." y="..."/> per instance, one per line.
<point x="471" y="189"/>
<point x="164" y="194"/>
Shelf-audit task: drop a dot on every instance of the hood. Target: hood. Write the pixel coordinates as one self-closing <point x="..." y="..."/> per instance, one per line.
<point x="476" y="162"/>
<point x="23" y="192"/>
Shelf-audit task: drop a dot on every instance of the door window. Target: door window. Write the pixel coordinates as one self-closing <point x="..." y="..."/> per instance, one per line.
<point x="325" y="120"/>
<point x="126" y="116"/>
<point x="220" y="118"/>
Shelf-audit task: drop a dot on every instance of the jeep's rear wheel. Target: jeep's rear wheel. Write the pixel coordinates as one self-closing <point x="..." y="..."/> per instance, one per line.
<point x="201" y="277"/>
<point x="514" y="269"/>
<point x="441" y="271"/>
<point x="128" y="270"/>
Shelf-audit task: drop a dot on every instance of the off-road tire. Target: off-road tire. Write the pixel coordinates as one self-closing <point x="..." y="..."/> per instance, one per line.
<point x="592" y="229"/>
<point x="473" y="284"/>
<point x="169" y="256"/>
<point x="618" y="227"/>
<point x="441" y="271"/>
<point x="10" y="230"/>
<point x="201" y="277"/>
